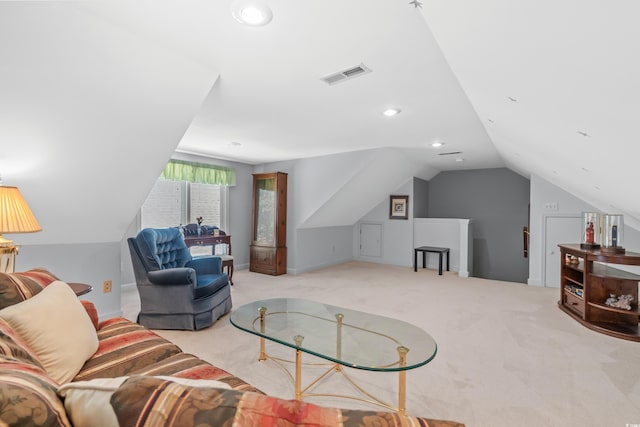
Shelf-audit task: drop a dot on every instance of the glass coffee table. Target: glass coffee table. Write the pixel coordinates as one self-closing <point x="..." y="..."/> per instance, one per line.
<point x="343" y="337"/>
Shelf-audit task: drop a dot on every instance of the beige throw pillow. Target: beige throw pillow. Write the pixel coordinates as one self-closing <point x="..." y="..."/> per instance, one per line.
<point x="88" y="403"/>
<point x="57" y="328"/>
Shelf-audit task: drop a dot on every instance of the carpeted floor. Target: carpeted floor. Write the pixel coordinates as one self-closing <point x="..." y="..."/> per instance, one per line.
<point x="507" y="356"/>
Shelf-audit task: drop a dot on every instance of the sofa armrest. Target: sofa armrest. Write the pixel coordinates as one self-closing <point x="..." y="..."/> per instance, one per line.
<point x="132" y="401"/>
<point x="92" y="312"/>
<point x="206" y="265"/>
<point x="173" y="276"/>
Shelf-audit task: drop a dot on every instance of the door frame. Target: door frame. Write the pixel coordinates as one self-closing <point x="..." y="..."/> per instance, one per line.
<point x="381" y="225"/>
<point x="543" y="259"/>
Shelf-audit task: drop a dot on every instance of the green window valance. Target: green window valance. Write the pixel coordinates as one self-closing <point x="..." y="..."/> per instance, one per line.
<point x="179" y="170"/>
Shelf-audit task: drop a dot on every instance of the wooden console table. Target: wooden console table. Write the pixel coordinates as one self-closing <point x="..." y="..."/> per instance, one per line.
<point x="212" y="240"/>
<point x="586" y="283"/>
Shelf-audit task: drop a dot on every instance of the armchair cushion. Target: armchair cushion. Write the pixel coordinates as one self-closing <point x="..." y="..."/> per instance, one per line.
<point x="209" y="284"/>
<point x="206" y="265"/>
<point x="162" y="248"/>
<point x="173" y="276"/>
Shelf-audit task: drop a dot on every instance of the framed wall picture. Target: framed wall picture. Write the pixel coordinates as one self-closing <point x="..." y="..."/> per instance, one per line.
<point x="398" y="207"/>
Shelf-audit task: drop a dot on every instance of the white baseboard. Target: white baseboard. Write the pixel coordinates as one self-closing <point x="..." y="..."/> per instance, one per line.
<point x="534" y="282"/>
<point x="295" y="271"/>
<point x="127" y="287"/>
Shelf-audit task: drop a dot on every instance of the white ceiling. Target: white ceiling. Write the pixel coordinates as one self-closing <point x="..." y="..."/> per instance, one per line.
<point x="507" y="83"/>
<point x="271" y="100"/>
<point x="572" y="68"/>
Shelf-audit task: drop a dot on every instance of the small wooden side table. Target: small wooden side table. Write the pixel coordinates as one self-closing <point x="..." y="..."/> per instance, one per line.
<point x="80" y="288"/>
<point x="434" y="249"/>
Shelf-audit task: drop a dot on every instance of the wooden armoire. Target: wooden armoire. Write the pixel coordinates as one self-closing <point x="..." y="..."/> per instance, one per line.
<point x="268" y="250"/>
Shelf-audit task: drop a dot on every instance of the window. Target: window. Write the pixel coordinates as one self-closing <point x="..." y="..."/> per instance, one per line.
<point x="186" y="191"/>
<point x="171" y="203"/>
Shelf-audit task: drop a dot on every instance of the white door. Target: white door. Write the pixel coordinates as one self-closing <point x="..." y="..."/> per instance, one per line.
<point x="558" y="229"/>
<point x="370" y="239"/>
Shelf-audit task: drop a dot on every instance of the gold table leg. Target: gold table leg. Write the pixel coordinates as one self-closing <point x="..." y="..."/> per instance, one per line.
<point x="263" y="354"/>
<point x="402" y="363"/>
<point x="298" y="385"/>
<point x="402" y="381"/>
<point x="339" y="318"/>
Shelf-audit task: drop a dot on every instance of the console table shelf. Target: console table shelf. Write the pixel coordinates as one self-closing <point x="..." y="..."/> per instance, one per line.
<point x="634" y="310"/>
<point x="586" y="285"/>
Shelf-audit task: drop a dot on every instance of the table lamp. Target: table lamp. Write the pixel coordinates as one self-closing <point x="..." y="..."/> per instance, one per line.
<point x="15" y="217"/>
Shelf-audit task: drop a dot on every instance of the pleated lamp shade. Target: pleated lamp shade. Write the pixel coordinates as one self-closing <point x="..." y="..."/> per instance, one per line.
<point x="15" y="214"/>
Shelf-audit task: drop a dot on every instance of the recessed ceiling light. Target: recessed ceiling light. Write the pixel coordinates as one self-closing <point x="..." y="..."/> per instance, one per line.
<point x="459" y="159"/>
<point x="390" y="112"/>
<point x="437" y="144"/>
<point x="254" y="13"/>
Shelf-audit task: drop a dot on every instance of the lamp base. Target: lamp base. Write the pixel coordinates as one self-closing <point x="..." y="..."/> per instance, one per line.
<point x="5" y="242"/>
<point x="8" y="258"/>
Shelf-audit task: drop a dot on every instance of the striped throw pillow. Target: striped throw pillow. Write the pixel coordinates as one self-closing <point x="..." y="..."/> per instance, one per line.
<point x="28" y="397"/>
<point x="17" y="287"/>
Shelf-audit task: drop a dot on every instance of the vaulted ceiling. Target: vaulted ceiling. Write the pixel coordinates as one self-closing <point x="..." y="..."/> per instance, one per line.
<point x="95" y="96"/>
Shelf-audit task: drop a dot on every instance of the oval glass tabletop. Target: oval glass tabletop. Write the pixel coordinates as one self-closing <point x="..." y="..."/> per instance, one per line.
<point x="348" y="337"/>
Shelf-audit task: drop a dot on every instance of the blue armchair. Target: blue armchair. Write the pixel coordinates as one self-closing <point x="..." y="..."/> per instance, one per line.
<point x="176" y="290"/>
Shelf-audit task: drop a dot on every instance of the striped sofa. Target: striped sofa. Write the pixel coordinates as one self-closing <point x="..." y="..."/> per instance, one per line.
<point x="150" y="392"/>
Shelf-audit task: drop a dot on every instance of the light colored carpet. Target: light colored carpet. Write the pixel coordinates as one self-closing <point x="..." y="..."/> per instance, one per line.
<point x="507" y="356"/>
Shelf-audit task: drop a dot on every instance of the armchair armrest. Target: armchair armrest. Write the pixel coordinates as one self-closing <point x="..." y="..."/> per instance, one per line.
<point x="206" y="265"/>
<point x="173" y="276"/>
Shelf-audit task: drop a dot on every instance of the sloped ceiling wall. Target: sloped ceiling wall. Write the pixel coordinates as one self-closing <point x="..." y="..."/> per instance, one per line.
<point x="556" y="86"/>
<point x="93" y="103"/>
<point x="89" y="114"/>
<point x="340" y="189"/>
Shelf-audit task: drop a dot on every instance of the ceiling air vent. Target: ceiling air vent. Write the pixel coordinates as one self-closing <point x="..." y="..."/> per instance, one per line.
<point x="451" y="153"/>
<point x="349" y="73"/>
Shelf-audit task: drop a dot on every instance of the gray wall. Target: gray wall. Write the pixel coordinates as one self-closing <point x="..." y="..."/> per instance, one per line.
<point x="321" y="247"/>
<point x="90" y="263"/>
<point x="420" y="198"/>
<point x="497" y="202"/>
<point x="397" y="234"/>
<point x="566" y="204"/>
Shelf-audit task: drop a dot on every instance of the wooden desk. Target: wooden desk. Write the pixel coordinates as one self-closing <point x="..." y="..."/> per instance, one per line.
<point x="424" y="250"/>
<point x="211" y="240"/>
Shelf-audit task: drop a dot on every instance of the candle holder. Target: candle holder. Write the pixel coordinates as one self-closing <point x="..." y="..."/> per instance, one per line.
<point x="591" y="230"/>
<point x="613" y="234"/>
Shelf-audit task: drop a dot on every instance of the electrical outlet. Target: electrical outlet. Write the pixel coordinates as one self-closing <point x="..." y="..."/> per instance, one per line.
<point x="106" y="286"/>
